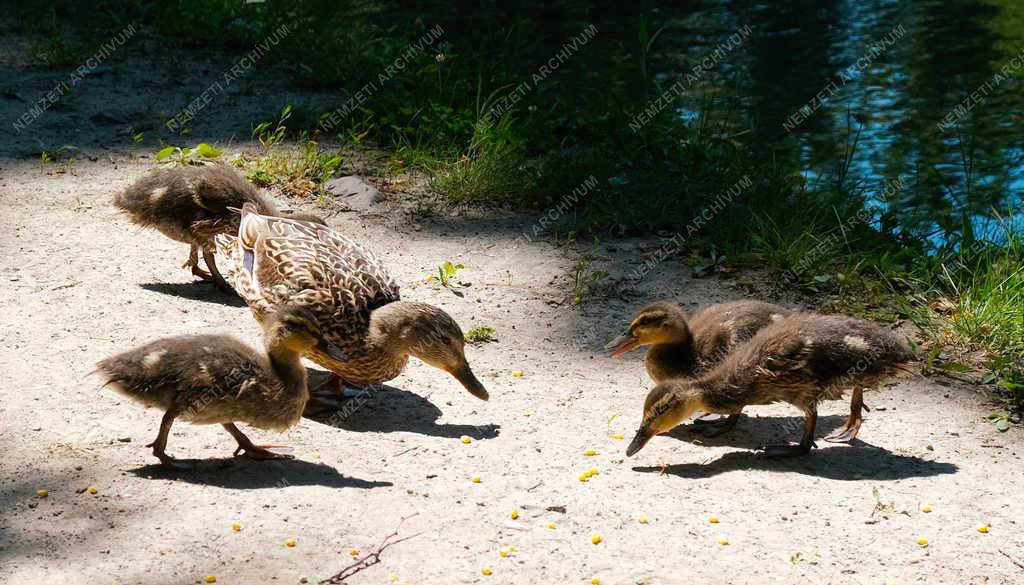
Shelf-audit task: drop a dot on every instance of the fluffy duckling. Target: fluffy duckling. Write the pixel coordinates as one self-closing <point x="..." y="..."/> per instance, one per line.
<point x="802" y="359"/>
<point x="683" y="347"/>
<point x="207" y="379"/>
<point x="191" y="205"/>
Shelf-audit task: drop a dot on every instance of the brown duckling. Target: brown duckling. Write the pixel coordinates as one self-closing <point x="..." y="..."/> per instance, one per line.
<point x="207" y="379"/>
<point x="683" y="347"/>
<point x="802" y="359"/>
<point x="192" y="204"/>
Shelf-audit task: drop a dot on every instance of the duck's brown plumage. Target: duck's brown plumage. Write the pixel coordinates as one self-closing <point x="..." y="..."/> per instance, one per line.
<point x="209" y="379"/>
<point x="682" y="346"/>
<point x="802" y="359"/>
<point x="369" y="333"/>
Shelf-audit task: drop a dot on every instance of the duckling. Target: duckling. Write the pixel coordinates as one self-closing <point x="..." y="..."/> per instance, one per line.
<point x="209" y="379"/>
<point x="191" y="205"/>
<point x="683" y="347"/>
<point x="802" y="359"/>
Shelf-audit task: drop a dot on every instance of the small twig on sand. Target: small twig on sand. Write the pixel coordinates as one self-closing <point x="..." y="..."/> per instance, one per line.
<point x="1019" y="564"/>
<point x="370" y="559"/>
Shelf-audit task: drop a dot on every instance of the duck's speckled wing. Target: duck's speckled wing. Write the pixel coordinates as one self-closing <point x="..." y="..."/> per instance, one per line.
<point x="279" y="261"/>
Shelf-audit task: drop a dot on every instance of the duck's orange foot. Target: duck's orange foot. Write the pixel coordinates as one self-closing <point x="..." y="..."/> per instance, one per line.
<point x="262" y="452"/>
<point x="789" y="450"/>
<point x="845" y="433"/>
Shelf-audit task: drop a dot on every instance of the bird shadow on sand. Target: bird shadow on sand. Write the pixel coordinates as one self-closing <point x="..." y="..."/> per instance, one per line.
<point x="197" y="290"/>
<point x="853" y="462"/>
<point x="388" y="409"/>
<point x="752" y="431"/>
<point x="240" y="473"/>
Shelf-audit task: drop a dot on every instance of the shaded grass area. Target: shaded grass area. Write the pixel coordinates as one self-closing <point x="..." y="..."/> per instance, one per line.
<point x="472" y="99"/>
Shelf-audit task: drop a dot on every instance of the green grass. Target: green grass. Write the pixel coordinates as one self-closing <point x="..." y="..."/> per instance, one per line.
<point x="480" y="334"/>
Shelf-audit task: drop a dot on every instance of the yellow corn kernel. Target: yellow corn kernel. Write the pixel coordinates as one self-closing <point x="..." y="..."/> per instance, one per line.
<point x="926" y="509"/>
<point x="922" y="541"/>
<point x="515" y="515"/>
<point x="42" y="493"/>
<point x="512" y="549"/>
<point x="723" y="540"/>
<point x="92" y="489"/>
<point x="596" y="539"/>
<point x="466" y="440"/>
<point x="526" y="414"/>
<point x="236" y="527"/>
<point x="592" y="472"/>
<point x="983" y="528"/>
<point x="552" y="525"/>
<point x="485" y="571"/>
<point x="210" y="578"/>
<point x="316" y="455"/>
<point x="590" y="452"/>
<point x="503" y="553"/>
<point x="713" y="519"/>
<point x="595" y="581"/>
<point x="517" y="374"/>
<point x="476" y="479"/>
<point x="583" y="477"/>
<point x="290" y="542"/>
<point x="392" y="577"/>
<point x="618" y="436"/>
<point x="354" y="552"/>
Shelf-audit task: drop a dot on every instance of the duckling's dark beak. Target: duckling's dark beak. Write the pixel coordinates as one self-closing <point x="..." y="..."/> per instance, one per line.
<point x="468" y="379"/>
<point x="642" y="436"/>
<point x="622" y="344"/>
<point x="332" y="350"/>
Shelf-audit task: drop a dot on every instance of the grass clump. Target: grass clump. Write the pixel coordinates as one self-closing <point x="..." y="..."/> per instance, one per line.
<point x="480" y="334"/>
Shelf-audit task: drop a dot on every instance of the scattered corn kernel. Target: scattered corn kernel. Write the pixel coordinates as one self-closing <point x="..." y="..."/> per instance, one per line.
<point x="926" y="509"/>
<point x="642" y="520"/>
<point x="392" y="577"/>
<point x="713" y="519"/>
<point x="515" y="515"/>
<point x="354" y="552"/>
<point x="236" y="527"/>
<point x="92" y="489"/>
<point x="723" y="540"/>
<point x="922" y="541"/>
<point x="316" y="455"/>
<point x="583" y="477"/>
<point x="619" y="436"/>
<point x="210" y="578"/>
<point x="503" y="553"/>
<point x="290" y="542"/>
<point x="477" y="479"/>
<point x="485" y="571"/>
<point x="592" y="472"/>
<point x="512" y="549"/>
<point x="552" y="525"/>
<point x="595" y="581"/>
<point x="596" y="539"/>
<point x="590" y="452"/>
<point x="526" y="414"/>
<point x="983" y="528"/>
<point x="466" y="440"/>
<point x="517" y="374"/>
<point x="42" y="493"/>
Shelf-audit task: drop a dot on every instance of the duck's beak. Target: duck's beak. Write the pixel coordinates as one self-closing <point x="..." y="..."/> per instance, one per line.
<point x="332" y="350"/>
<point x="643" y="435"/>
<point x="622" y="344"/>
<point x="468" y="379"/>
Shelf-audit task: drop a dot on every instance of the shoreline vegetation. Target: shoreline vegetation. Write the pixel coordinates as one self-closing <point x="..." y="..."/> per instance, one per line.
<point x="535" y="118"/>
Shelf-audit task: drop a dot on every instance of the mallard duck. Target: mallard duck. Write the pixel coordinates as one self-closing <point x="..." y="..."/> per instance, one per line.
<point x="208" y="379"/>
<point x="368" y="332"/>
<point x="683" y="347"/>
<point x="192" y="204"/>
<point x="802" y="359"/>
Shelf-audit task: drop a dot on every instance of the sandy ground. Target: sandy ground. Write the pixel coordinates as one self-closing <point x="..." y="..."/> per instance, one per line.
<point x="79" y="282"/>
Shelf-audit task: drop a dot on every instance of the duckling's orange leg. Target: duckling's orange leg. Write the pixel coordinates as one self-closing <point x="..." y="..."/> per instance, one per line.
<point x="252" y="451"/>
<point x="161" y="443"/>
<point x="806" y="441"/>
<point x="211" y="263"/>
<point x="193" y="263"/>
<point x="848" y="431"/>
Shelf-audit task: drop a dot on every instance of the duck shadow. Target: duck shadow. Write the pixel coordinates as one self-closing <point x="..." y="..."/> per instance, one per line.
<point x="854" y="462"/>
<point x="751" y="431"/>
<point x="240" y="473"/>
<point x="198" y="290"/>
<point x="388" y="409"/>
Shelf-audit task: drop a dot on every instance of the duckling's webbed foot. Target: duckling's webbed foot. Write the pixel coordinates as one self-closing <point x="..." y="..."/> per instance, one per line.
<point x="849" y="430"/>
<point x="332" y="395"/>
<point x="720" y="427"/>
<point x="806" y="441"/>
<point x="215" y="274"/>
<point x="245" y="446"/>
